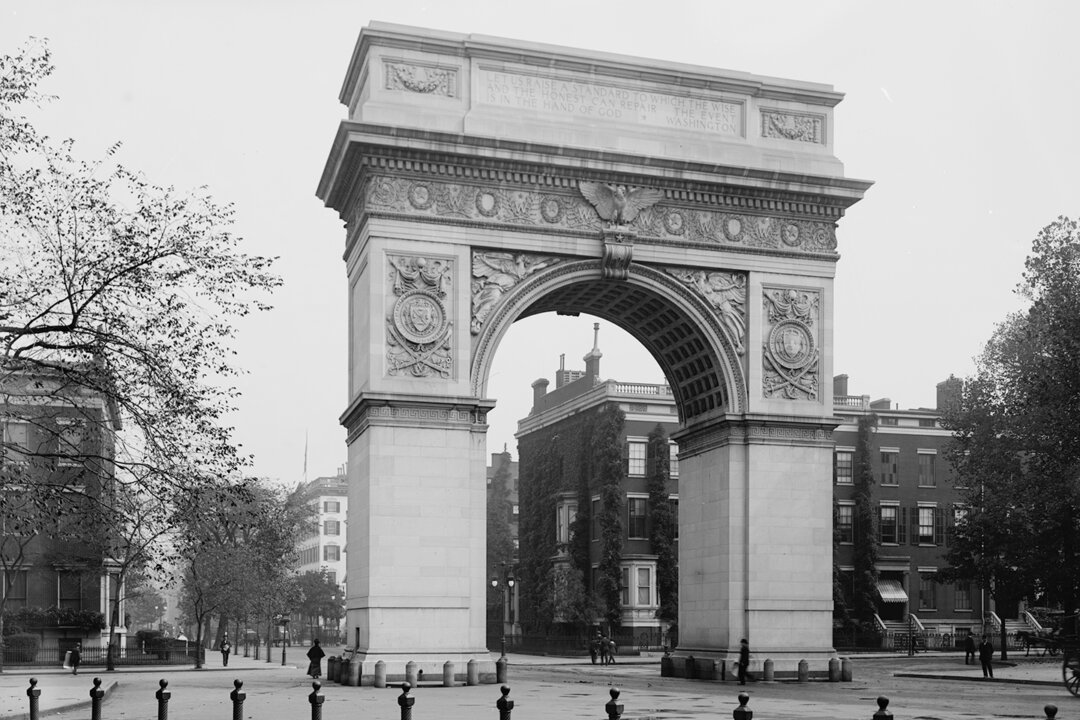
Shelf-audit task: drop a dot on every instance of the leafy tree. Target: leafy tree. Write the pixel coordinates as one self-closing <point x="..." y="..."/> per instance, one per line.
<point x="1016" y="446"/>
<point x="864" y="559"/>
<point x="323" y="600"/>
<point x="608" y="471"/>
<point x="663" y="525"/>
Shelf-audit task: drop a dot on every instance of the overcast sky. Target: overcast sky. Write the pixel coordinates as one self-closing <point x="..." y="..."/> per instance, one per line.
<point x="963" y="114"/>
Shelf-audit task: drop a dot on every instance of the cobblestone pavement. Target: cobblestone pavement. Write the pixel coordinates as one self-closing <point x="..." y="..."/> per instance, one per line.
<point x="927" y="686"/>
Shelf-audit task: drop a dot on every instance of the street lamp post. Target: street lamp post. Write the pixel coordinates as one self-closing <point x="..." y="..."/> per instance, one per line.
<point x="508" y="608"/>
<point x="283" y="621"/>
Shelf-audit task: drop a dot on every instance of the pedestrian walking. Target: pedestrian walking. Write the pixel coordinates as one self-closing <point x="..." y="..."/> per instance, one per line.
<point x="969" y="650"/>
<point x="986" y="657"/>
<point x="603" y="650"/>
<point x="611" y="651"/>
<point x="315" y="656"/>
<point x="744" y="662"/>
<point x="594" y="648"/>
<point x="226" y="648"/>
<point x="76" y="658"/>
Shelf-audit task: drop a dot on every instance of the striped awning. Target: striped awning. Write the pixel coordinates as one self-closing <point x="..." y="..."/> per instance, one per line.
<point x="891" y="591"/>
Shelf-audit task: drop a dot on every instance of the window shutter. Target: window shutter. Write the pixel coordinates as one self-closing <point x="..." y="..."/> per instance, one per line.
<point x="915" y="525"/>
<point x="879" y="524"/>
<point x="901" y="527"/>
<point x="950" y="525"/>
<point x="939" y="526"/>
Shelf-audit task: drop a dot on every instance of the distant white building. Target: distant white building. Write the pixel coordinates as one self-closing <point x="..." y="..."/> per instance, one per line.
<point x="324" y="547"/>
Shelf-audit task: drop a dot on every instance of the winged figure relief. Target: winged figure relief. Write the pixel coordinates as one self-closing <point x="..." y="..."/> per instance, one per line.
<point x="495" y="273"/>
<point x="617" y="203"/>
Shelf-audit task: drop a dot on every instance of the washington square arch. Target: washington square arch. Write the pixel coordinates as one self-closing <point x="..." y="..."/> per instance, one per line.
<point x="484" y="180"/>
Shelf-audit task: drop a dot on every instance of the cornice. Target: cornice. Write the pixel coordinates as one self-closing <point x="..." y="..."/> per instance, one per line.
<point x="754" y="429"/>
<point x="396" y="410"/>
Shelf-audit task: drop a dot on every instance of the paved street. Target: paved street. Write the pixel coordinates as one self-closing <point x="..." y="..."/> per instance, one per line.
<point x="552" y="688"/>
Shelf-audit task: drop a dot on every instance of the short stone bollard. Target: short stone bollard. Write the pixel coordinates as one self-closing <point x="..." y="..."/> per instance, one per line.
<point x="237" y="700"/>
<point x="163" y="696"/>
<point x="350" y="673"/>
<point x="503" y="704"/>
<point x="33" y="693"/>
<point x="448" y="674"/>
<point x="742" y="712"/>
<point x="882" y="713"/>
<point x="316" y="699"/>
<point x="410" y="673"/>
<point x="500" y="670"/>
<point x="768" y="674"/>
<point x="332" y="668"/>
<point x="472" y="672"/>
<point x="380" y="674"/>
<point x="96" y="693"/>
<point x="834" y="669"/>
<point x="406" y="701"/>
<point x="613" y="707"/>
<point x="666" y="666"/>
<point x="804" y="671"/>
<point x="845" y="669"/>
<point x="1051" y="711"/>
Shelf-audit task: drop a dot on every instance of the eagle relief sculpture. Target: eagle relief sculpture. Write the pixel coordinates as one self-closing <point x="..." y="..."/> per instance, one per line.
<point x="618" y="204"/>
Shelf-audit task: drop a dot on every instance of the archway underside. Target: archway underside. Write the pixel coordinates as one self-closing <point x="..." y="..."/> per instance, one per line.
<point x="671" y="336"/>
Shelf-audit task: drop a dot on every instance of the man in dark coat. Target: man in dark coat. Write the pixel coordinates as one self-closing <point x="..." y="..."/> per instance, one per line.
<point x="969" y="650"/>
<point x="744" y="662"/>
<point x="226" y="648"/>
<point x="986" y="657"/>
<point x="315" y="656"/>
<point x="76" y="658"/>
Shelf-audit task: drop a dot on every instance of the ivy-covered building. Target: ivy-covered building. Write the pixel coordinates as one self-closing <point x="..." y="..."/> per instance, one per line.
<point x="598" y="494"/>
<point x="56" y="466"/>
<point x="914" y="502"/>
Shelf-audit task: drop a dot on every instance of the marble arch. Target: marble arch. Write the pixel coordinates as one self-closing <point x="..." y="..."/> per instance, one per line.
<point x="482" y="180"/>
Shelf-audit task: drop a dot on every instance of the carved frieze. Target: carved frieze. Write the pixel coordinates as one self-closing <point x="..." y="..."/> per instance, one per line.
<point x="793" y="126"/>
<point x="496" y="273"/>
<point x="725" y="292"/>
<point x="418" y="78"/>
<point x="419" y="331"/>
<point x="790" y="355"/>
<point x="538" y="207"/>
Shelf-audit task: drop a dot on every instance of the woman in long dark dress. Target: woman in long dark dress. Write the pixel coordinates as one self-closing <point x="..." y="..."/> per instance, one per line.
<point x="315" y="656"/>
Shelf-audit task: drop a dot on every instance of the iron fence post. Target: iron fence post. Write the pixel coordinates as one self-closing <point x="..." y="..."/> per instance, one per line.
<point x="614" y="709"/>
<point x="316" y="701"/>
<point x="96" y="693"/>
<point x="405" y="701"/>
<point x="163" y="696"/>
<point x="33" y="692"/>
<point x="237" y="700"/>
<point x="505" y="705"/>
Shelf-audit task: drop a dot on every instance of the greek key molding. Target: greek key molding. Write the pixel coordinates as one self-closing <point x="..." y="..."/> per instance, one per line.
<point x="420" y="78"/>
<point x="419" y="329"/>
<point x="536" y="207"/>
<point x="790" y="352"/>
<point x="496" y="273"/>
<point x="725" y="293"/>
<point x="800" y="127"/>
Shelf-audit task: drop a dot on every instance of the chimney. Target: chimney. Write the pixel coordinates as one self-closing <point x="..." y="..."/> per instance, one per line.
<point x="949" y="393"/>
<point x="839" y="385"/>
<point x="539" y="390"/>
<point x="592" y="358"/>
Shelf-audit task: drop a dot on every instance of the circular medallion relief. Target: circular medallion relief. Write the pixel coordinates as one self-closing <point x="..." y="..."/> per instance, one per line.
<point x="487" y="203"/>
<point x="733" y="228"/>
<point x="791" y="343"/>
<point x="790" y="234"/>
<point x="551" y="209"/>
<point x="419" y="317"/>
<point x="421" y="196"/>
<point x="674" y="222"/>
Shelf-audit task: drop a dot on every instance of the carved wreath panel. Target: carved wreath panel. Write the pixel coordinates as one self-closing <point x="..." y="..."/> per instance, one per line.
<point x="793" y="126"/>
<point x="790" y="356"/>
<point x="423" y="79"/>
<point x="541" y="208"/>
<point x="725" y="292"/>
<point x="419" y="331"/>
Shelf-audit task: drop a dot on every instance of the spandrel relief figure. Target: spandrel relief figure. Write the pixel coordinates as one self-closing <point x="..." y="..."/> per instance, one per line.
<point x="726" y="294"/>
<point x="494" y="274"/>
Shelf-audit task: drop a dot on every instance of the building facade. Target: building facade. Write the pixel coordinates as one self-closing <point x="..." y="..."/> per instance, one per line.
<point x="324" y="547"/>
<point x="57" y="472"/>
<point x="561" y="524"/>
<point x="916" y="501"/>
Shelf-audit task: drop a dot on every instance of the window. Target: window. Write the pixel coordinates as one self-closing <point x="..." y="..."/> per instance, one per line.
<point x="889" y="460"/>
<point x="644" y="586"/>
<point x="887" y="527"/>
<point x="71" y="442"/>
<point x="926" y="525"/>
<point x="16" y="594"/>
<point x="673" y="462"/>
<point x="927" y="477"/>
<point x="70" y="590"/>
<point x="594" y="520"/>
<point x="842" y="469"/>
<point x="114" y="598"/>
<point x="635" y="455"/>
<point x="927" y="422"/>
<point x="962" y="596"/>
<point x="930" y="523"/>
<point x="564" y="521"/>
<point x="636" y="509"/>
<point x="331" y="576"/>
<point x="514" y="509"/>
<point x="624" y="587"/>
<point x="331" y="506"/>
<point x="888" y="421"/>
<point x="927" y="592"/>
<point x="331" y="553"/>
<point x="845" y="523"/>
<point x="332" y="527"/>
<point x="675" y="514"/>
<point x="16" y="440"/>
